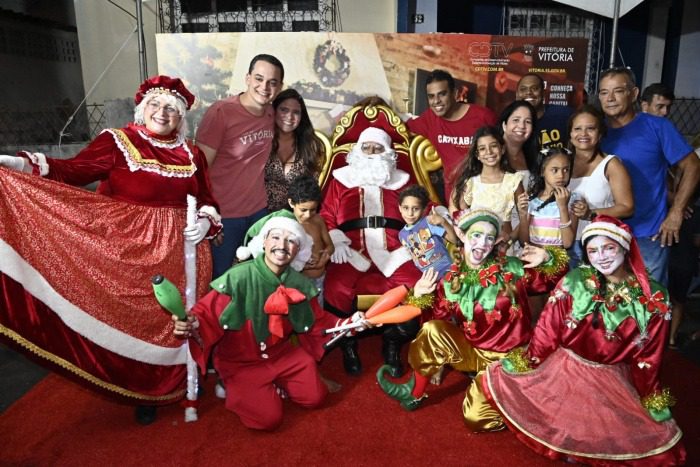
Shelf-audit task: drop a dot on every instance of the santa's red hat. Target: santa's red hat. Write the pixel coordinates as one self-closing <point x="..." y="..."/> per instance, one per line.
<point x="162" y="83"/>
<point x="614" y="229"/>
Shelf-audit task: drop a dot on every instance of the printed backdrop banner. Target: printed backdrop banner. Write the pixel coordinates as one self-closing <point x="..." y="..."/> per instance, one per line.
<point x="333" y="71"/>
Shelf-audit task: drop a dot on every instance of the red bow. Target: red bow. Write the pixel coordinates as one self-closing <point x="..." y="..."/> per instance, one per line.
<point x="655" y="302"/>
<point x="277" y="304"/>
<point x="507" y="276"/>
<point x="495" y="315"/>
<point x="470" y="327"/>
<point x="454" y="270"/>
<point x="488" y="275"/>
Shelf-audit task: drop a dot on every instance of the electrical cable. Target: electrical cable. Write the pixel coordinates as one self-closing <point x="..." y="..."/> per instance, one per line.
<point x="97" y="81"/>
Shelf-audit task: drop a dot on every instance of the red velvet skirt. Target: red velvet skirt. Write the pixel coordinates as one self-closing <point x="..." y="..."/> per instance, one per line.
<point x="570" y="407"/>
<point x="75" y="288"/>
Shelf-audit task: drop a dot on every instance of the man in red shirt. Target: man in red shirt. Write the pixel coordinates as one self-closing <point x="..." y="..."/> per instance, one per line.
<point x="449" y="124"/>
<point x="236" y="137"/>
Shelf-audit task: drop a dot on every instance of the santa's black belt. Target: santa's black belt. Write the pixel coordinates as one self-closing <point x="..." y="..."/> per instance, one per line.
<point x="371" y="222"/>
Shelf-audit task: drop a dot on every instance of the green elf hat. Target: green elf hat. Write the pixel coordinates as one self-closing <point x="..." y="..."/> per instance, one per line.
<point x="282" y="219"/>
<point x="468" y="217"/>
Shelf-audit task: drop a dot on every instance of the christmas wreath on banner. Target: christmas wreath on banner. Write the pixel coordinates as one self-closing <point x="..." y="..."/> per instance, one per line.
<point x="326" y="51"/>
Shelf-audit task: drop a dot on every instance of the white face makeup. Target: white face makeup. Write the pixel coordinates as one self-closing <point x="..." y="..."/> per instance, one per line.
<point x="605" y="254"/>
<point x="479" y="241"/>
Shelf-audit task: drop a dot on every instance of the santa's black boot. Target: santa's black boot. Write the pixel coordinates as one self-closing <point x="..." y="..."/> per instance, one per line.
<point x="393" y="338"/>
<point x="351" y="359"/>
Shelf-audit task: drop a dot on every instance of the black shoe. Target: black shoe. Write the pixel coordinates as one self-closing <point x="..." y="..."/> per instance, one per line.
<point x="145" y="414"/>
<point x="393" y="337"/>
<point x="391" y="351"/>
<point x="351" y="359"/>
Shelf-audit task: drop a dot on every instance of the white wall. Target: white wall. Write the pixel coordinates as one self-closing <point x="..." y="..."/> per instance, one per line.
<point x="687" y="82"/>
<point x="368" y="15"/>
<point x="656" y="41"/>
<point x="102" y="29"/>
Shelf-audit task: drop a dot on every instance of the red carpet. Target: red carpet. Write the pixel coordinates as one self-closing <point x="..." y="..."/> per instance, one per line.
<point x="60" y="423"/>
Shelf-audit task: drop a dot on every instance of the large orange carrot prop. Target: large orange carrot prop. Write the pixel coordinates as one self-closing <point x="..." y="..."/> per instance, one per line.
<point x="399" y="314"/>
<point x="387" y="301"/>
<point x="384" y="304"/>
<point x="395" y="315"/>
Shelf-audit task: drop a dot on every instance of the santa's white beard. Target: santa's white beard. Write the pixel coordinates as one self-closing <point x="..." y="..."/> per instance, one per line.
<point x="374" y="170"/>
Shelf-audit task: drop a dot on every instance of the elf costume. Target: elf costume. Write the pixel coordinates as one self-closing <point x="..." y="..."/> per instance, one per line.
<point x="479" y="314"/>
<point x="246" y="323"/>
<point x="594" y="395"/>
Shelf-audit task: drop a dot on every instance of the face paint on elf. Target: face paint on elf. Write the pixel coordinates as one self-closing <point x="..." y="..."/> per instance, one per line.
<point x="479" y="242"/>
<point x="605" y="254"/>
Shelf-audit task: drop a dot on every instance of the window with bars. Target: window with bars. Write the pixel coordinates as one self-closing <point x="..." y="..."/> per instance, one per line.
<point x="244" y="15"/>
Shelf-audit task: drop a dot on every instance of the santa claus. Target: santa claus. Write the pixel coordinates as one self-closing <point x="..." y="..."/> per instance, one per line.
<point x="361" y="211"/>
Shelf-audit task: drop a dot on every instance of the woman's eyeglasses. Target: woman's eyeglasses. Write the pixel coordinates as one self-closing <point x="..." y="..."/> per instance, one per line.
<point x="154" y="106"/>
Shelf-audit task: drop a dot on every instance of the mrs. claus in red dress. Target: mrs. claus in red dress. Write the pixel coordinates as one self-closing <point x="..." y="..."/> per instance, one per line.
<point x="75" y="275"/>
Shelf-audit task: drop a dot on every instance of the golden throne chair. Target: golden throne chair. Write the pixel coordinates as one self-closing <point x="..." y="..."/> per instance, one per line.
<point x="416" y="155"/>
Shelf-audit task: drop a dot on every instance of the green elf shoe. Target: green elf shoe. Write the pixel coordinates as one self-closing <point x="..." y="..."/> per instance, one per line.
<point x="400" y="392"/>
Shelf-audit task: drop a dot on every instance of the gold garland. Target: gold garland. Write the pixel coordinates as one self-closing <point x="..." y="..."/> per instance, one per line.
<point x="517" y="357"/>
<point x="558" y="260"/>
<point x="423" y="302"/>
<point x="659" y="400"/>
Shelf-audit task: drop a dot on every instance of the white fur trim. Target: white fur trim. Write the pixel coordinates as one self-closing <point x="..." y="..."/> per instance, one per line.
<point x="375" y="239"/>
<point x="211" y="213"/>
<point x="372" y="202"/>
<point x="344" y="175"/>
<point x="243" y="253"/>
<point x="359" y="261"/>
<point x="609" y="230"/>
<point x="81" y="322"/>
<point x="386" y="261"/>
<point x="375" y="135"/>
<point x="38" y="159"/>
